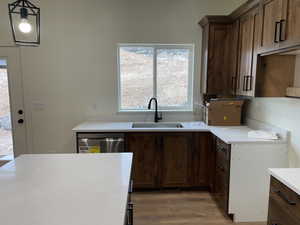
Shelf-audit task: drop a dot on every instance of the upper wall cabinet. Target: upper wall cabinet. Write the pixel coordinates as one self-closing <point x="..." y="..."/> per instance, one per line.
<point x="271" y="14"/>
<point x="280" y="25"/>
<point x="234" y="57"/>
<point x="290" y="23"/>
<point x="215" y="55"/>
<point x="234" y="47"/>
<point x="249" y="39"/>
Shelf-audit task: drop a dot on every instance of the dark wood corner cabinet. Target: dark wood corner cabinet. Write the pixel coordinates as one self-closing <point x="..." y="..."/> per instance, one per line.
<point x="170" y="160"/>
<point x="233" y="46"/>
<point x="284" y="205"/>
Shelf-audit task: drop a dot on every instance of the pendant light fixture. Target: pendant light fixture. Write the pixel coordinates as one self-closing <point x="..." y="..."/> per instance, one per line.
<point x="24" y="19"/>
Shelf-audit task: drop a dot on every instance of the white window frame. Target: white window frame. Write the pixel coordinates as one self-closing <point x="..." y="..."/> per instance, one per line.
<point x="189" y="107"/>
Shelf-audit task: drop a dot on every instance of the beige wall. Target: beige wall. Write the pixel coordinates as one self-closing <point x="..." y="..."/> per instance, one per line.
<point x="72" y="76"/>
<point x="283" y="113"/>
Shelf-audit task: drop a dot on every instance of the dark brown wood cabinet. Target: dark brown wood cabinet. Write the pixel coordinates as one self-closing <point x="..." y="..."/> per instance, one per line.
<point x="170" y="160"/>
<point x="271" y="15"/>
<point x="245" y="54"/>
<point x="146" y="159"/>
<point x="248" y="44"/>
<point x="234" y="57"/>
<point x="216" y="51"/>
<point x="284" y="205"/>
<point x="234" y="45"/>
<point x="290" y="23"/>
<point x="280" y="24"/>
<point x="222" y="174"/>
<point x="202" y="160"/>
<point x="176" y="155"/>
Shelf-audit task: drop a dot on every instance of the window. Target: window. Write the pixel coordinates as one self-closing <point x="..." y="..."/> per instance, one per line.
<point x="161" y="71"/>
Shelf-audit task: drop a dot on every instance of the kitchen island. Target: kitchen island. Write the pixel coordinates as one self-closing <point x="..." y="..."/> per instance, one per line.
<point x="65" y="189"/>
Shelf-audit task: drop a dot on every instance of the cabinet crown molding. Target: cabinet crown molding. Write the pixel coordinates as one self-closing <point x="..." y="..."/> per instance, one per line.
<point x="225" y="19"/>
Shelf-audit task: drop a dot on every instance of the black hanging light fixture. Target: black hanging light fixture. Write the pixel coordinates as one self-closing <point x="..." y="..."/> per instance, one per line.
<point x="25" y="22"/>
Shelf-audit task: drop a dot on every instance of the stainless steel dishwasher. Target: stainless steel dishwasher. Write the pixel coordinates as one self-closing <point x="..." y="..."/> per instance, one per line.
<point x="100" y="143"/>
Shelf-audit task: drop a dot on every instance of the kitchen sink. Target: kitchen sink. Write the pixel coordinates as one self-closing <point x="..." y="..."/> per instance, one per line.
<point x="157" y="125"/>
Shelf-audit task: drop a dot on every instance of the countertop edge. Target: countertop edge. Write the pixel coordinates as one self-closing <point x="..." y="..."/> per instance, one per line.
<point x="202" y="127"/>
<point x="293" y="187"/>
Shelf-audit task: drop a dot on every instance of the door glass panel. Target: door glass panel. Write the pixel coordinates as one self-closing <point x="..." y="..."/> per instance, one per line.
<point x="6" y="141"/>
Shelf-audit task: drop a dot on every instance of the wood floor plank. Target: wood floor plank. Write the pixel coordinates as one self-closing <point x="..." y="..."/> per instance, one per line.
<point x="178" y="208"/>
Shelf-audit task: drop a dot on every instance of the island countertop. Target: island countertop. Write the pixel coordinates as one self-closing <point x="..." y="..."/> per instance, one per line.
<point x="73" y="189"/>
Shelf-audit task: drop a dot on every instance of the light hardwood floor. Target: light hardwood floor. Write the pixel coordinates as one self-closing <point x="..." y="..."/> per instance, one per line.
<point x="178" y="208"/>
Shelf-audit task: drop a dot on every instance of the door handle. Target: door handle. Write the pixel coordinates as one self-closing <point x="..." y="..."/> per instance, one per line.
<point x="244" y="83"/>
<point x="276" y="32"/>
<point x="20" y="121"/>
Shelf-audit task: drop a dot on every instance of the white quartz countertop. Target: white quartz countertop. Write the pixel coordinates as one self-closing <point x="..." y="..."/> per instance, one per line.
<point x="96" y="126"/>
<point x="288" y="176"/>
<point x="229" y="134"/>
<point x="66" y="189"/>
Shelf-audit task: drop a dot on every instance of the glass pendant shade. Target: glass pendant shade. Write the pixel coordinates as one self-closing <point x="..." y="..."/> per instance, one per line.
<point x="24" y="19"/>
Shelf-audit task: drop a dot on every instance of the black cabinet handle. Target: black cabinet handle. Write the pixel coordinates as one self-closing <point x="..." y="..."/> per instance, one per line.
<point x="244" y="83"/>
<point x="276" y="32"/>
<point x="20" y="121"/>
<point x="280" y="194"/>
<point x="130" y="213"/>
<point x="131" y="186"/>
<point x="248" y="81"/>
<point x="281" y="29"/>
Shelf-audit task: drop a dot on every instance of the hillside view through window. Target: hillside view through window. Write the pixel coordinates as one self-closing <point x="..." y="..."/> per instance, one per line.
<point x="155" y="71"/>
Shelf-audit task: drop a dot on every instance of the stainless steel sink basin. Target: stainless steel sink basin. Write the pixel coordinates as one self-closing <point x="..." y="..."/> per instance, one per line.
<point x="157" y="125"/>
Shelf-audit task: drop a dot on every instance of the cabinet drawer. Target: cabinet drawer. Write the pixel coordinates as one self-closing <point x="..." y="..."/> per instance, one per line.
<point x="278" y="216"/>
<point x="287" y="201"/>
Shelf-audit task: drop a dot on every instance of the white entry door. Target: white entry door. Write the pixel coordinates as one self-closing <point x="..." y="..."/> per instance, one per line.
<point x="10" y="59"/>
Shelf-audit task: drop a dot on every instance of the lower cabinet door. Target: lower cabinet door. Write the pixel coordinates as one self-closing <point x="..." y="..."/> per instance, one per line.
<point x="202" y="160"/>
<point x="145" y="159"/>
<point x="176" y="155"/>
<point x="284" y="205"/>
<point x="221" y="188"/>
